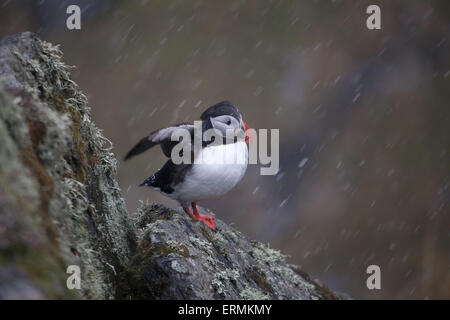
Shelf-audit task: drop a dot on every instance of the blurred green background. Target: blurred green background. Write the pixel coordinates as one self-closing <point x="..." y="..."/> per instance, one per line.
<point x="363" y="116"/>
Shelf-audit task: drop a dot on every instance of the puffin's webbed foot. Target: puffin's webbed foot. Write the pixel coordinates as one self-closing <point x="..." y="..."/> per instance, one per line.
<point x="190" y="213"/>
<point x="207" y="220"/>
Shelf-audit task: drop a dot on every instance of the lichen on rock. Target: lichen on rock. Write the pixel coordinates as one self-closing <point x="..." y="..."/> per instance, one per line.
<point x="57" y="169"/>
<point x="206" y="264"/>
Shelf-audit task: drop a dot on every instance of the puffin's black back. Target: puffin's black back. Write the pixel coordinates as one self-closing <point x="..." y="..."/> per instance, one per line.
<point x="219" y="109"/>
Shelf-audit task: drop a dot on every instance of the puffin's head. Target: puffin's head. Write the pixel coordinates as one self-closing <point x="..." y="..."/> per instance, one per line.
<point x="225" y="116"/>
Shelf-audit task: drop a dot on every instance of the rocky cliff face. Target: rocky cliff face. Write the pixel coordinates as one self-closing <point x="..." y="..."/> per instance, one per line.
<point x="60" y="205"/>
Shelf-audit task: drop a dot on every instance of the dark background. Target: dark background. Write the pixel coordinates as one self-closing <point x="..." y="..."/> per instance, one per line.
<point x="363" y="116"/>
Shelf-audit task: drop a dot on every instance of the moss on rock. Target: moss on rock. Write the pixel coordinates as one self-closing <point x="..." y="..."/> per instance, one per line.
<point x="57" y="169"/>
<point x="179" y="258"/>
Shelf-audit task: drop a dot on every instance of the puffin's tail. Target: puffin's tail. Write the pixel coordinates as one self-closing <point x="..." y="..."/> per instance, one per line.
<point x="149" y="182"/>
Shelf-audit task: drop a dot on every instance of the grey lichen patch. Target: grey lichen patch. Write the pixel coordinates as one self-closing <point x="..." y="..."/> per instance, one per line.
<point x="219" y="240"/>
<point x="201" y="244"/>
<point x="223" y="279"/>
<point x="25" y="236"/>
<point x="228" y="275"/>
<point x="274" y="260"/>
<point x="12" y="118"/>
<point x="15" y="178"/>
<point x="219" y="288"/>
<point x="76" y="198"/>
<point x="176" y="266"/>
<point x="266" y="254"/>
<point x="253" y="294"/>
<point x="230" y="234"/>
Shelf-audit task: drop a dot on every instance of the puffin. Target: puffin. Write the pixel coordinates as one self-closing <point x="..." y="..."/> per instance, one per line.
<point x="215" y="167"/>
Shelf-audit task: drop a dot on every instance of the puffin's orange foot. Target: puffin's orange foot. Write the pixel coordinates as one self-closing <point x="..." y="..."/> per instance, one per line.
<point x="208" y="221"/>
<point x="190" y="213"/>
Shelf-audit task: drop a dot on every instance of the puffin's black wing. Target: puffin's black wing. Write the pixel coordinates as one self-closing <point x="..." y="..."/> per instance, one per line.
<point x="162" y="137"/>
<point x="168" y="176"/>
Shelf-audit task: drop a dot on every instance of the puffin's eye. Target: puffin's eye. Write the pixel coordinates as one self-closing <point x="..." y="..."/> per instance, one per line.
<point x="228" y="122"/>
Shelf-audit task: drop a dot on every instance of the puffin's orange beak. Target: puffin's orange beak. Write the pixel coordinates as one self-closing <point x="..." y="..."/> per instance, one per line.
<point x="248" y="134"/>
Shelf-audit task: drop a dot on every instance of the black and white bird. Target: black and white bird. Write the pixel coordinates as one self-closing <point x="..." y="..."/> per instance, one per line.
<point x="223" y="163"/>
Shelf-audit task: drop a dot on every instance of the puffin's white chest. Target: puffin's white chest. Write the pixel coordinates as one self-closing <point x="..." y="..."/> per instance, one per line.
<point x="221" y="168"/>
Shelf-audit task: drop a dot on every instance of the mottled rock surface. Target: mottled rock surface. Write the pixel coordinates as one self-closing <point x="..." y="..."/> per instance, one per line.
<point x="178" y="258"/>
<point x="60" y="205"/>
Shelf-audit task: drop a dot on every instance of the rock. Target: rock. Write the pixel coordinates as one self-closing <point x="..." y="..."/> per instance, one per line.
<point x="60" y="202"/>
<point x="60" y="205"/>
<point x="178" y="258"/>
